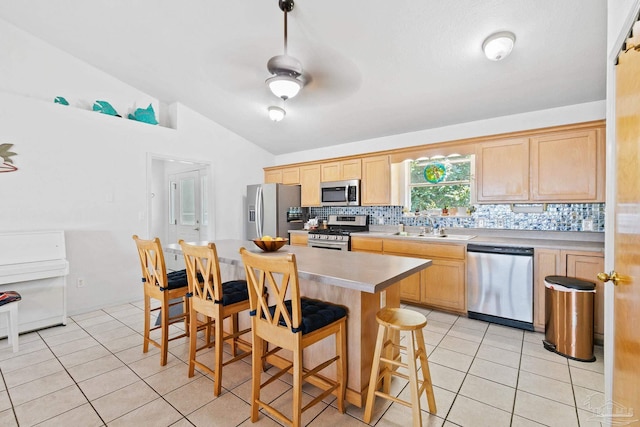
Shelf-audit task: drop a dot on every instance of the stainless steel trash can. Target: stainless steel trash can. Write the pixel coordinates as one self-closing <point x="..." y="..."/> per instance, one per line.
<point x="569" y="317"/>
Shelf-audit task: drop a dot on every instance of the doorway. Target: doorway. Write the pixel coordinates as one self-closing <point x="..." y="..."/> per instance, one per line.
<point x="179" y="201"/>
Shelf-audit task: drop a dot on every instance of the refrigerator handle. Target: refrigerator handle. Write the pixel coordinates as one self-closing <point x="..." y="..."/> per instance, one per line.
<point x="259" y="212"/>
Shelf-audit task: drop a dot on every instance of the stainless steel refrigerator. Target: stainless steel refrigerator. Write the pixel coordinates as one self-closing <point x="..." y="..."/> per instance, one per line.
<point x="272" y="209"/>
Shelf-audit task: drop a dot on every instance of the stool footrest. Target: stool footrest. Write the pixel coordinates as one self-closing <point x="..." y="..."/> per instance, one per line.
<point x="393" y="398"/>
<point x="393" y="362"/>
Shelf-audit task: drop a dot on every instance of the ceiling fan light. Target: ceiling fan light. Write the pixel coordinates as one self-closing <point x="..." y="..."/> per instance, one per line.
<point x="284" y="86"/>
<point x="276" y="113"/>
<point x="499" y="45"/>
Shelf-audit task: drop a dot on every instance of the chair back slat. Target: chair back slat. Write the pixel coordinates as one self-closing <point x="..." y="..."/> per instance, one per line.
<point x="203" y="272"/>
<point x="154" y="271"/>
<point x="274" y="277"/>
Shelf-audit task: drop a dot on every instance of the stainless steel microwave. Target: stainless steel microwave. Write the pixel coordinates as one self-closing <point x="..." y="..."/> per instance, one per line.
<point x="340" y="193"/>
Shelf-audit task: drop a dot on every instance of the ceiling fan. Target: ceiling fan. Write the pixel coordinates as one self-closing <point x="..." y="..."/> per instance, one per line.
<point x="287" y="78"/>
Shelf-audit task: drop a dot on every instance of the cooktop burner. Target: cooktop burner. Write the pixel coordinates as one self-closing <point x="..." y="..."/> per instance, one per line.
<point x="343" y="225"/>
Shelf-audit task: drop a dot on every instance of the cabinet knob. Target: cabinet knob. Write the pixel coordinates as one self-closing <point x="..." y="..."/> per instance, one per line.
<point x="614" y="277"/>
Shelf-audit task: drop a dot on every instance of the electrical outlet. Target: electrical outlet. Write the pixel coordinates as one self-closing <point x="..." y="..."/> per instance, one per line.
<point x="80" y="283"/>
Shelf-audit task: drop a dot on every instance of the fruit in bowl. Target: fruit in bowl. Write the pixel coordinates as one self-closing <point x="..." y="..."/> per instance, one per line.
<point x="270" y="244"/>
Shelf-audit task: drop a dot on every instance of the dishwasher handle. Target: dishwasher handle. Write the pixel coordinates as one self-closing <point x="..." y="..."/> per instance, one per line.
<point x="506" y="250"/>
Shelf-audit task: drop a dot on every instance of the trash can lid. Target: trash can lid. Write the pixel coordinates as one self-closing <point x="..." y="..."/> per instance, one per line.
<point x="571" y="283"/>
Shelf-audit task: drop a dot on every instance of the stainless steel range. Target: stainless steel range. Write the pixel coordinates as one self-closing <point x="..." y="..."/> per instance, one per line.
<point x="337" y="235"/>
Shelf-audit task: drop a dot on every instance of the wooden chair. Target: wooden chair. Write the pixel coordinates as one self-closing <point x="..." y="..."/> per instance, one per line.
<point x="391" y="322"/>
<point x="164" y="287"/>
<point x="293" y="325"/>
<point x="216" y="301"/>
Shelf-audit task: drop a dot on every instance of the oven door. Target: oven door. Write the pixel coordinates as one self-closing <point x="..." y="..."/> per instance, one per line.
<point x="329" y="244"/>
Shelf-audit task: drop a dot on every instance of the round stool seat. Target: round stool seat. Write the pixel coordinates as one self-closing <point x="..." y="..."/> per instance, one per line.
<point x="401" y="319"/>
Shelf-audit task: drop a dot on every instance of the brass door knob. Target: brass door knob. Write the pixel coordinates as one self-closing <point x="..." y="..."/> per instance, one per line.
<point x="613" y="277"/>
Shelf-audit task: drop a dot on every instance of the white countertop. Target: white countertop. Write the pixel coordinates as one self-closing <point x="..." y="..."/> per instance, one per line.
<point x="353" y="270"/>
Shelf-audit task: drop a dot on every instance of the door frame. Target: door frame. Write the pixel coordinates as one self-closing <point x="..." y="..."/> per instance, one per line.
<point x="609" y="240"/>
<point x="189" y="163"/>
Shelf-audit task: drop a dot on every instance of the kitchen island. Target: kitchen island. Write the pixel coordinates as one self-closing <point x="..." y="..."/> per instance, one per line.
<point x="362" y="282"/>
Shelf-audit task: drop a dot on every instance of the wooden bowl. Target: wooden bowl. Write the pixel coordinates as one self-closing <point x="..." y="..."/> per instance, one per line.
<point x="270" y="245"/>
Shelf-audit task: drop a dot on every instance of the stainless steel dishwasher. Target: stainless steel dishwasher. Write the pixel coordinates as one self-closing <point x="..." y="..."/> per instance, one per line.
<point x="500" y="285"/>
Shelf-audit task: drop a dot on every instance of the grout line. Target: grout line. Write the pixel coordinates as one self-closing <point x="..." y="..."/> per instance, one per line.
<point x="234" y="392"/>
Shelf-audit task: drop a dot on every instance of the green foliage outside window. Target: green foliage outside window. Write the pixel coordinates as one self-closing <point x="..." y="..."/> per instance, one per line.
<point x="453" y="190"/>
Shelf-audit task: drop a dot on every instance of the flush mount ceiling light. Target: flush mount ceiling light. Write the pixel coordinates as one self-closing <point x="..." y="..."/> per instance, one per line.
<point x="498" y="46"/>
<point x="276" y="113"/>
<point x="287" y="70"/>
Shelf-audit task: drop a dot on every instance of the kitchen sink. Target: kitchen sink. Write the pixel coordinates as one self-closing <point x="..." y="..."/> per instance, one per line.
<point x="435" y="236"/>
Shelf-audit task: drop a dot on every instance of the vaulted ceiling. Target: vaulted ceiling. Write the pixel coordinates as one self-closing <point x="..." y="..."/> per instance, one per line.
<point x="377" y="67"/>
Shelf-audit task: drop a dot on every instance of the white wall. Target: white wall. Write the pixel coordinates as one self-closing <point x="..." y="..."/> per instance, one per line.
<point x="86" y="173"/>
<point x="517" y="122"/>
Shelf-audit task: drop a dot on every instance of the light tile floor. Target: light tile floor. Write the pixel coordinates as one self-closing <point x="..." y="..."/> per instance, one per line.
<point x="92" y="372"/>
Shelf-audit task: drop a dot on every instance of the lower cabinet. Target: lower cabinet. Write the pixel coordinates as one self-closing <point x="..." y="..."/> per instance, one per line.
<point x="410" y="288"/>
<point x="580" y="264"/>
<point x="546" y="263"/>
<point x="443" y="284"/>
<point x="587" y="266"/>
<point x="298" y="239"/>
<point x="359" y="244"/>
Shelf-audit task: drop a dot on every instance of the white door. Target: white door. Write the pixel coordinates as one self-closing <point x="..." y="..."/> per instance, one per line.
<point x="188" y="216"/>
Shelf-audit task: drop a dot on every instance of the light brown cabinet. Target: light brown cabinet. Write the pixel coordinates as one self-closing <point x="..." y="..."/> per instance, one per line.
<point x="365" y="244"/>
<point x="581" y="264"/>
<point x="376" y="181"/>
<point x="310" y="185"/>
<point x="273" y="176"/>
<point x="563" y="166"/>
<point x="443" y="284"/>
<point x="291" y="176"/>
<point x="587" y="266"/>
<point x="298" y="239"/>
<point x="566" y="163"/>
<point x="546" y="263"/>
<point x="502" y="170"/>
<point x="568" y="166"/>
<point x="341" y="170"/>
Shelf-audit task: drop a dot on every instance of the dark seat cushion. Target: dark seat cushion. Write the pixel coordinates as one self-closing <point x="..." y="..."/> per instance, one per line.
<point x="177" y="279"/>
<point x="234" y="291"/>
<point x="9" y="296"/>
<point x="316" y="314"/>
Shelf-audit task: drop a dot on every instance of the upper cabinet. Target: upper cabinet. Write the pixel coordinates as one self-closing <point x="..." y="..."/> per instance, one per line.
<point x="555" y="165"/>
<point x="291" y="176"/>
<point x="562" y="166"/>
<point x="273" y="176"/>
<point x="502" y="170"/>
<point x="568" y="166"/>
<point x="376" y="181"/>
<point x="341" y="170"/>
<point x="310" y="185"/>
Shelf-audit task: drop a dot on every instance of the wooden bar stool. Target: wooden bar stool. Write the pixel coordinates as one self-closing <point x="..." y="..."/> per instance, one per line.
<point x="391" y="322"/>
<point x="291" y="324"/>
<point x="215" y="301"/>
<point x="164" y="287"/>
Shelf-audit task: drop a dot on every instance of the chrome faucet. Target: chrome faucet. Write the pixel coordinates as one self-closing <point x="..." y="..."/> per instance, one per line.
<point x="430" y="220"/>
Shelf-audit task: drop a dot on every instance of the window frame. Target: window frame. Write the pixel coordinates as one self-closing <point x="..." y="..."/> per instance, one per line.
<point x="470" y="158"/>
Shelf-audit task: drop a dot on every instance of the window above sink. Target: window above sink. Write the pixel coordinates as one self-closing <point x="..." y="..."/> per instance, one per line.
<point x="430" y="184"/>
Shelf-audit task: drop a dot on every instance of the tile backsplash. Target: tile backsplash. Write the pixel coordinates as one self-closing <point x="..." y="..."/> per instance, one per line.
<point x="556" y="217"/>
